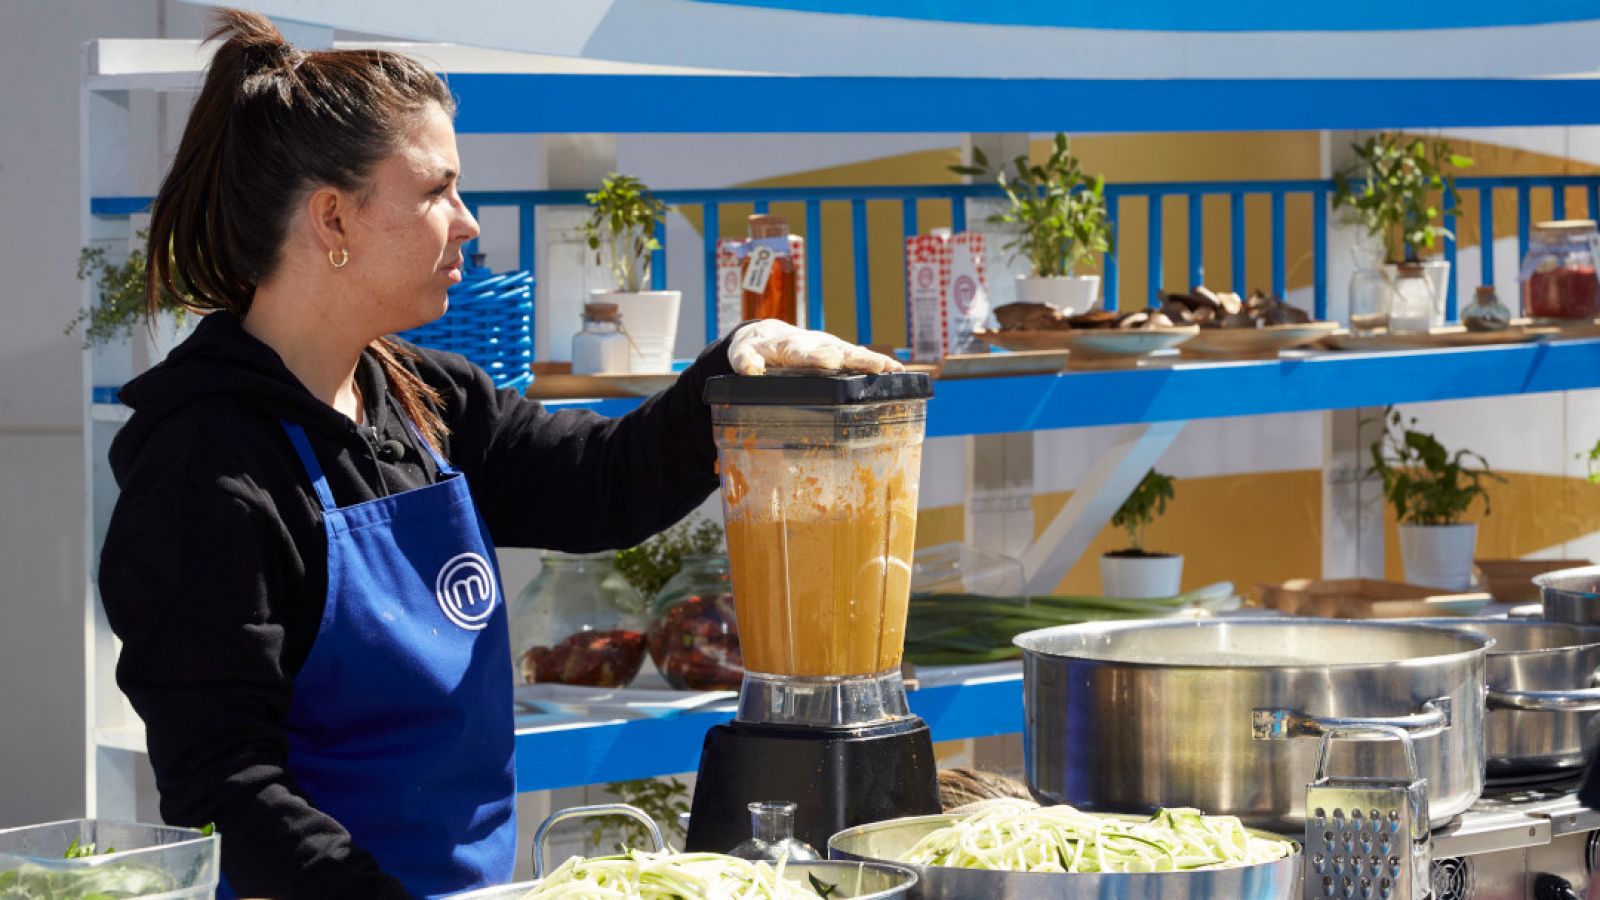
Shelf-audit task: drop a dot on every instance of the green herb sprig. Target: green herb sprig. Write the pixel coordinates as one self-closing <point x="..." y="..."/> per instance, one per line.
<point x="662" y="799"/>
<point x="119" y="301"/>
<point x="1059" y="212"/>
<point x="1425" y="483"/>
<point x="1144" y="505"/>
<point x="621" y="229"/>
<point x="652" y="564"/>
<point x="1403" y="184"/>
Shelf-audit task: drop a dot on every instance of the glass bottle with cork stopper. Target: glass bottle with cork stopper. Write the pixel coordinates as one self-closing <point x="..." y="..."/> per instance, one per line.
<point x="601" y="348"/>
<point x="1486" y="313"/>
<point x="767" y="274"/>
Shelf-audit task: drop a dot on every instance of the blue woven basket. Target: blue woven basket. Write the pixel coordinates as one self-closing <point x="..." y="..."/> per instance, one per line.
<point x="490" y="322"/>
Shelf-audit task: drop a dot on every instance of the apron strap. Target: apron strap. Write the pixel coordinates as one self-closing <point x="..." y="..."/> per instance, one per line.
<point x="440" y="461"/>
<point x="302" y="447"/>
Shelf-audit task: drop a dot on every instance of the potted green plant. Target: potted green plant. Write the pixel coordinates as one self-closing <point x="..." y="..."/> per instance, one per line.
<point x="1431" y="489"/>
<point x="1059" y="219"/>
<point x="119" y="304"/>
<point x="1135" y="572"/>
<point x="1395" y="194"/>
<point x="620" y="231"/>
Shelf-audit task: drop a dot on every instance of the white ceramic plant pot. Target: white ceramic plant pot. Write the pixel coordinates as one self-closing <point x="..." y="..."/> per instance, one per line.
<point x="1072" y="294"/>
<point x="1141" y="578"/>
<point x="651" y="319"/>
<point x="1439" y="556"/>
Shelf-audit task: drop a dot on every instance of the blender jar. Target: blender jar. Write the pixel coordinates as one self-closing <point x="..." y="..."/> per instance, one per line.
<point x="819" y="487"/>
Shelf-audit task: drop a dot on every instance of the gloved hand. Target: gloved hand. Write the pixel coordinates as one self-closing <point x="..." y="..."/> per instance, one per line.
<point x="775" y="343"/>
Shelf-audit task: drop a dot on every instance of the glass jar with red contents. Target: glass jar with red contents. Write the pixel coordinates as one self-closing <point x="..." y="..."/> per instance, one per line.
<point x="1558" y="274"/>
<point x="578" y="622"/>
<point x="694" y="634"/>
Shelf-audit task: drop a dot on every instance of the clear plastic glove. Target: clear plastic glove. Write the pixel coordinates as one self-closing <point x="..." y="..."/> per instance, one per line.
<point x="777" y="344"/>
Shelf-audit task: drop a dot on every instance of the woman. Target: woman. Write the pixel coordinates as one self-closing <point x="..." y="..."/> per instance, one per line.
<point x="300" y="565"/>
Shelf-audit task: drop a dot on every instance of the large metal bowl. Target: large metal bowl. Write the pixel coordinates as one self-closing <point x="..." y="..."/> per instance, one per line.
<point x="888" y="841"/>
<point x="878" y="881"/>
<point x="1222" y="715"/>
<point x="1543" y="700"/>
<point x="1571" y="595"/>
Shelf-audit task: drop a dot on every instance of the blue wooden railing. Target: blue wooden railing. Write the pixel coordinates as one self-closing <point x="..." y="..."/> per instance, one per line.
<point x="1152" y="194"/>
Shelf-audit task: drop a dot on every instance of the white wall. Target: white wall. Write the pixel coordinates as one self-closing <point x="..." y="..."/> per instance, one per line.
<point x="43" y="732"/>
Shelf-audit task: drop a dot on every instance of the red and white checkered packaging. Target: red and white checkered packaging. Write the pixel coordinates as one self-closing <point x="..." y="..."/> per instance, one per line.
<point x="730" y="299"/>
<point x="947" y="293"/>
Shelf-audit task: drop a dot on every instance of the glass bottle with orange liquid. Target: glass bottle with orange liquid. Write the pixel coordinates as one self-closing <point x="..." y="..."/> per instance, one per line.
<point x="767" y="274"/>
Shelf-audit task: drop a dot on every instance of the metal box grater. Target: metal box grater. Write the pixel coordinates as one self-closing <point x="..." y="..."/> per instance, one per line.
<point x="1367" y="838"/>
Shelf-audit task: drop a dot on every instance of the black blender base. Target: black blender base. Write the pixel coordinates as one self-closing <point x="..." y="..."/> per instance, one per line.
<point x="837" y="777"/>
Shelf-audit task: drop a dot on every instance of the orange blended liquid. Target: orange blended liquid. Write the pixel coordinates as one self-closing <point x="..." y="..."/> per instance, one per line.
<point x="820" y="544"/>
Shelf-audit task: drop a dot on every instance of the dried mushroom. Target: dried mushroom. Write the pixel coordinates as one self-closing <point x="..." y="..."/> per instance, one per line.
<point x="1225" y="309"/>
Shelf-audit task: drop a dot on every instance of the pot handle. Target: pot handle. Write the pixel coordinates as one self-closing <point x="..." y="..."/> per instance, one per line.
<point x="579" y="812"/>
<point x="1283" y="724"/>
<point x="1576" y="700"/>
<point x="1351" y="731"/>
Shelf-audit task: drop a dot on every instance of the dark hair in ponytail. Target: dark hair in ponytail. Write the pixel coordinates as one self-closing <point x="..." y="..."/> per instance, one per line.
<point x="270" y="123"/>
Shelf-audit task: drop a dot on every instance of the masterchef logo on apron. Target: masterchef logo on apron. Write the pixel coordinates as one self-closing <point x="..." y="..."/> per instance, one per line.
<point x="466" y="591"/>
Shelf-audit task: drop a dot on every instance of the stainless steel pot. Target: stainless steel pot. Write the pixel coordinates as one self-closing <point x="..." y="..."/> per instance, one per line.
<point x="860" y="881"/>
<point x="1544" y="692"/>
<point x="1571" y="595"/>
<point x="888" y="841"/>
<point x="1131" y="716"/>
<point x="879" y="881"/>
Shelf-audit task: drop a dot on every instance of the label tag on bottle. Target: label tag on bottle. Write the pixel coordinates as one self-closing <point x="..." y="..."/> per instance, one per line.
<point x="758" y="269"/>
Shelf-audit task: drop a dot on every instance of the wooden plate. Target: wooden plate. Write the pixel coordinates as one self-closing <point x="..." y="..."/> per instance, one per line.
<point x="1254" y="343"/>
<point x="1455" y="336"/>
<point x="1095" y="347"/>
<point x="1025" y="362"/>
<point x="556" y="386"/>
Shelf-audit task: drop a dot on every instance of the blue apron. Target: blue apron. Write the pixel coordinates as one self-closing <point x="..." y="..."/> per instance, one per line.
<point x="401" y="724"/>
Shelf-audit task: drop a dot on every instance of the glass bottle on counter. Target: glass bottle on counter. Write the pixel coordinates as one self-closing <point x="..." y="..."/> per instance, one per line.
<point x="694" y="632"/>
<point x="601" y="348"/>
<point x="1558" y="274"/>
<point x="578" y="622"/>
<point x="1486" y="313"/>
<point x="772" y="835"/>
<point x="767" y="275"/>
<point x="1411" y="300"/>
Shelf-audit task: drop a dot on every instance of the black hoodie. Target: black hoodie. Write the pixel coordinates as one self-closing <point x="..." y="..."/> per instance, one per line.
<point x="214" y="568"/>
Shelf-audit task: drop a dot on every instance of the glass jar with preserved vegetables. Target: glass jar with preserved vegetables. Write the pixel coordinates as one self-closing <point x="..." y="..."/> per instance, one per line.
<point x="694" y="632"/>
<point x="1558" y="274"/>
<point x="578" y="622"/>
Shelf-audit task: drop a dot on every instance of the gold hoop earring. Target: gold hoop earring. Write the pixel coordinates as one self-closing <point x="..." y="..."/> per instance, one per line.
<point x="344" y="258"/>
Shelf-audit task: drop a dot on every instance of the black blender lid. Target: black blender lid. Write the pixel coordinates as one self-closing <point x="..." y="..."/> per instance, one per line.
<point x="781" y="387"/>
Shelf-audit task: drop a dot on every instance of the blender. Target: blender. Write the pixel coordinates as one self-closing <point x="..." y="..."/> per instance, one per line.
<point x="819" y="490"/>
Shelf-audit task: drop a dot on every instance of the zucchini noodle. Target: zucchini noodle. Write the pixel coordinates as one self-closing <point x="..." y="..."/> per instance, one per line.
<point x="1016" y="836"/>
<point x="637" y="875"/>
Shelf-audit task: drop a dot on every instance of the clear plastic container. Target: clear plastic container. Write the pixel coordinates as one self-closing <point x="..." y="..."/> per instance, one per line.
<point x="965" y="569"/>
<point x="1558" y="274"/>
<point x="578" y="622"/>
<point x="127" y="860"/>
<point x="694" y="630"/>
<point x="1412" y="301"/>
